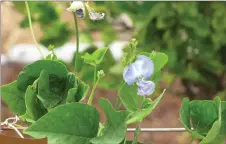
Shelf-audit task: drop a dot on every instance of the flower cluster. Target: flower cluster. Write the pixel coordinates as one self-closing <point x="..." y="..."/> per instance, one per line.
<point x="139" y="72"/>
<point x="79" y="8"/>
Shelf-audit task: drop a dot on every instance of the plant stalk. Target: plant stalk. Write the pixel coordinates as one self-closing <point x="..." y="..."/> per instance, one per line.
<point x="31" y="29"/>
<point x="95" y="82"/>
<point x="138" y="128"/>
<point x="118" y="100"/>
<point x="77" y="40"/>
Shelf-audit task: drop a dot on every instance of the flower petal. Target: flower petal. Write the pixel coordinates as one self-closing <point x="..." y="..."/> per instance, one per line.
<point x="145" y="88"/>
<point x="75" y="5"/>
<point x="144" y="66"/>
<point x="130" y="74"/>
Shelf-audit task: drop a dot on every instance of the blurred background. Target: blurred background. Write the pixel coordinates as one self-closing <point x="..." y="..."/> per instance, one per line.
<point x="192" y="34"/>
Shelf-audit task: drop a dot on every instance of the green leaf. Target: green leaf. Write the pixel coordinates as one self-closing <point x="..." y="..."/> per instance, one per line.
<point x="71" y="95"/>
<point x="129" y="52"/>
<point x="185" y="114"/>
<point x="14" y="98"/>
<point x="82" y="91"/>
<point x="185" y="118"/>
<point x="140" y="115"/>
<point x="32" y="71"/>
<point x="115" y="127"/>
<point x="159" y="59"/>
<point x="34" y="109"/>
<point x="204" y="114"/>
<point x="129" y="97"/>
<point x="214" y="136"/>
<point x="77" y="91"/>
<point x="67" y="124"/>
<point x="71" y="88"/>
<point x="207" y="118"/>
<point x="96" y="57"/>
<point x="49" y="93"/>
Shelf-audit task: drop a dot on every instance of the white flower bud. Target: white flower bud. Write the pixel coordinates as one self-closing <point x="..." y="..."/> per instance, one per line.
<point x="76" y="5"/>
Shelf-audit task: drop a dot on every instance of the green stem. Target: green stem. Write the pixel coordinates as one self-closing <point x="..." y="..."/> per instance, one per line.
<point x="95" y="82"/>
<point x="136" y="134"/>
<point x="77" y="40"/>
<point x="137" y="131"/>
<point x="31" y="29"/>
<point x="118" y="100"/>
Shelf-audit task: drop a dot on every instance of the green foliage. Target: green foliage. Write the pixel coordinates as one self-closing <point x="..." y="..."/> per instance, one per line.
<point x="192" y="36"/>
<point x="129" y="97"/>
<point x="13" y="97"/>
<point x="41" y="86"/>
<point x="207" y="119"/>
<point x="129" y="52"/>
<point x="47" y="95"/>
<point x="32" y="71"/>
<point x="34" y="108"/>
<point x="115" y="127"/>
<point x="147" y="108"/>
<point x="96" y="57"/>
<point x="67" y="124"/>
<point x="47" y="15"/>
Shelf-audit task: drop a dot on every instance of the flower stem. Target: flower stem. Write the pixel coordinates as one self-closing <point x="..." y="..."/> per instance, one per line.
<point x="95" y="82"/>
<point x="118" y="100"/>
<point x="138" y="129"/>
<point x="31" y="29"/>
<point x="77" y="40"/>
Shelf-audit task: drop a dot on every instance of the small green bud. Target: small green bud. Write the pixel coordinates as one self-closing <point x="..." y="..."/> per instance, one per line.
<point x="100" y="74"/>
<point x="51" y="47"/>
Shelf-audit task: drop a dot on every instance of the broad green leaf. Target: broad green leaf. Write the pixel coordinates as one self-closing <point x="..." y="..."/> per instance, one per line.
<point x="115" y="127"/>
<point x="129" y="97"/>
<point x="49" y="92"/>
<point x="129" y="52"/>
<point x="185" y="114"/>
<point x="214" y="136"/>
<point x="159" y="59"/>
<point x="34" y="109"/>
<point x="185" y="118"/>
<point x="140" y="115"/>
<point x="32" y="71"/>
<point x="96" y="57"/>
<point x="67" y="124"/>
<point x="204" y="114"/>
<point x="13" y="97"/>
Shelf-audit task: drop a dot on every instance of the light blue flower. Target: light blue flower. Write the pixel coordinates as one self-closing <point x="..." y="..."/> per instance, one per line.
<point x="139" y="72"/>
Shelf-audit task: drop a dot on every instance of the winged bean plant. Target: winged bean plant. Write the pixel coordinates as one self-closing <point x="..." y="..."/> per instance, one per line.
<point x="56" y="103"/>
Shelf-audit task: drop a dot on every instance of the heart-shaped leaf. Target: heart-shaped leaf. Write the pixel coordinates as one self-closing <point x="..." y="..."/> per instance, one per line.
<point x="67" y="124"/>
<point x="32" y="71"/>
